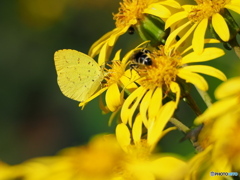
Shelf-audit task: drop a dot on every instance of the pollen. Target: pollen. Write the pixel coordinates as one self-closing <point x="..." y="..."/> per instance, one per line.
<point x="114" y="72"/>
<point x="140" y="150"/>
<point x="130" y="12"/>
<point x="162" y="72"/>
<point x="206" y="9"/>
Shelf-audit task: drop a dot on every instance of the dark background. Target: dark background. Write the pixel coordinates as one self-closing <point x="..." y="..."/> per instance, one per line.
<point x="35" y="118"/>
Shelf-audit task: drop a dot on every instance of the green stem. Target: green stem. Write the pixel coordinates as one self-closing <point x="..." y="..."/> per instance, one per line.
<point x="179" y="125"/>
<point x="191" y="102"/>
<point x="205" y="96"/>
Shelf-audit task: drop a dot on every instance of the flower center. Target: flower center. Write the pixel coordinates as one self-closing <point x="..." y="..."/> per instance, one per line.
<point x="163" y="70"/>
<point x="206" y="9"/>
<point x="140" y="150"/>
<point x="130" y="12"/>
<point x="114" y="73"/>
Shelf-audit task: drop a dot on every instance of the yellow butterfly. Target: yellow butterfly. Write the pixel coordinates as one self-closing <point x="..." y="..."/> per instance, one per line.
<point x="79" y="76"/>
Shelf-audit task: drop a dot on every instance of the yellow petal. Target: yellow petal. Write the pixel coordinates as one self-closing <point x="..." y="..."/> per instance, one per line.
<point x="207" y="54"/>
<point x="105" y="48"/>
<point x="129" y="78"/>
<point x="193" y="78"/>
<point x="117" y="55"/>
<point x="144" y="107"/>
<point x="175" y="18"/>
<point x="137" y="129"/>
<point x="113" y="97"/>
<point x="95" y="48"/>
<point x="175" y="89"/>
<point x="104" y="54"/>
<point x="196" y="163"/>
<point x="131" y="104"/>
<point x="185" y="36"/>
<point x="158" y="10"/>
<point x="163" y="168"/>
<point x="205" y="42"/>
<point x="123" y="136"/>
<point x="128" y="56"/>
<point x="234" y="6"/>
<point x="103" y="106"/>
<point x="217" y="109"/>
<point x="83" y="103"/>
<point x="188" y="8"/>
<point x="223" y="122"/>
<point x="156" y="127"/>
<point x="156" y="102"/>
<point x="221" y="27"/>
<point x="198" y="36"/>
<point x="113" y="38"/>
<point x="171" y="3"/>
<point x="126" y="81"/>
<point x="211" y="71"/>
<point x="172" y="37"/>
<point x="222" y="161"/>
<point x="113" y="116"/>
<point x="211" y="41"/>
<point x="228" y="88"/>
<point x="167" y="130"/>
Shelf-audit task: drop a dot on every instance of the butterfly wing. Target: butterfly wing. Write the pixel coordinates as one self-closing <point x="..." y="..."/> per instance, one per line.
<point x="79" y="76"/>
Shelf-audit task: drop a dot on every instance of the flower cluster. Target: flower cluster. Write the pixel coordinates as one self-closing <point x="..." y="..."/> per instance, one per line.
<point x="218" y="139"/>
<point x="142" y="90"/>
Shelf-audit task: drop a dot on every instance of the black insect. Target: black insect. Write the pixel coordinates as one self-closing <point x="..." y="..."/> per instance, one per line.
<point x="141" y="58"/>
<point x="131" y="30"/>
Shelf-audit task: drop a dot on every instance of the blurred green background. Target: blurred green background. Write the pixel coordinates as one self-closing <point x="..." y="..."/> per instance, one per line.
<point x="36" y="119"/>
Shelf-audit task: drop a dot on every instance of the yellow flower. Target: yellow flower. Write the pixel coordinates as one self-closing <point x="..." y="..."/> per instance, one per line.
<point x="117" y="81"/>
<point x="219" y="136"/>
<point x="226" y="150"/>
<point x="199" y="166"/>
<point x="146" y="86"/>
<point x="155" y="128"/>
<point x="225" y="114"/>
<point x="131" y="12"/>
<point x="220" y="150"/>
<point x="198" y="17"/>
<point x="101" y="159"/>
<point x="142" y="163"/>
<point x="164" y="79"/>
<point x="8" y="172"/>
